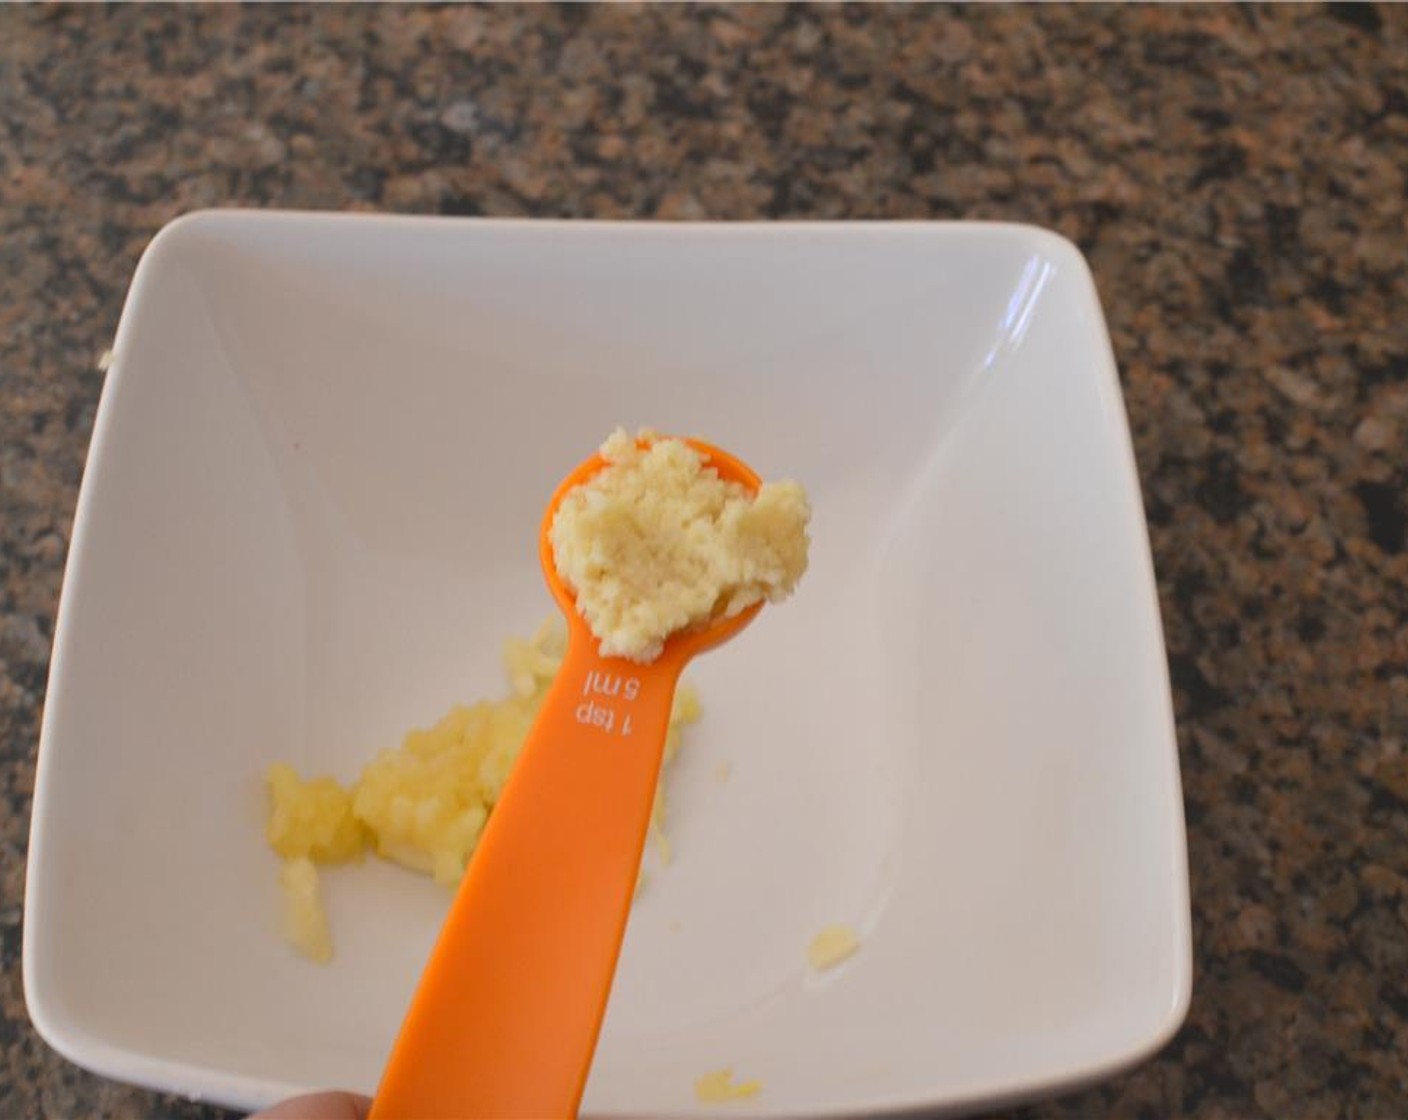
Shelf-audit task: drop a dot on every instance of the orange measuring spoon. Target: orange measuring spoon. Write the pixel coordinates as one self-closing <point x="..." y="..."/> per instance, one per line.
<point x="506" y="1017"/>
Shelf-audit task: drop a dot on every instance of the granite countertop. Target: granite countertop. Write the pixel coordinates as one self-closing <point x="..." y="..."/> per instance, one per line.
<point x="1237" y="180"/>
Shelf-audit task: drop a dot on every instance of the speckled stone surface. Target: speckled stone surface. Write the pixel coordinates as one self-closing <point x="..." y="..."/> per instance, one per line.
<point x="1237" y="179"/>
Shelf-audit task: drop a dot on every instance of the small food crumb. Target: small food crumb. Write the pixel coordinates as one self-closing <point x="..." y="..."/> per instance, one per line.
<point x="723" y="770"/>
<point x="831" y="946"/>
<point x="719" y="1087"/>
<point x="425" y="804"/>
<point x="657" y="542"/>
<point x="305" y="920"/>
<point x="313" y="819"/>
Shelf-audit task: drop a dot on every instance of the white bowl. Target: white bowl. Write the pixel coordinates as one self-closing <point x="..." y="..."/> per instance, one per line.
<point x="309" y="519"/>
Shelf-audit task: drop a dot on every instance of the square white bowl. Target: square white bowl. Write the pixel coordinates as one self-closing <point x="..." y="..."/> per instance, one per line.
<point x="308" y="522"/>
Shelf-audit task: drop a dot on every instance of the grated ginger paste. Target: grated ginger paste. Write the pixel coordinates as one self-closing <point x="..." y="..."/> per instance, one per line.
<point x="656" y="542"/>
<point x="424" y="804"/>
